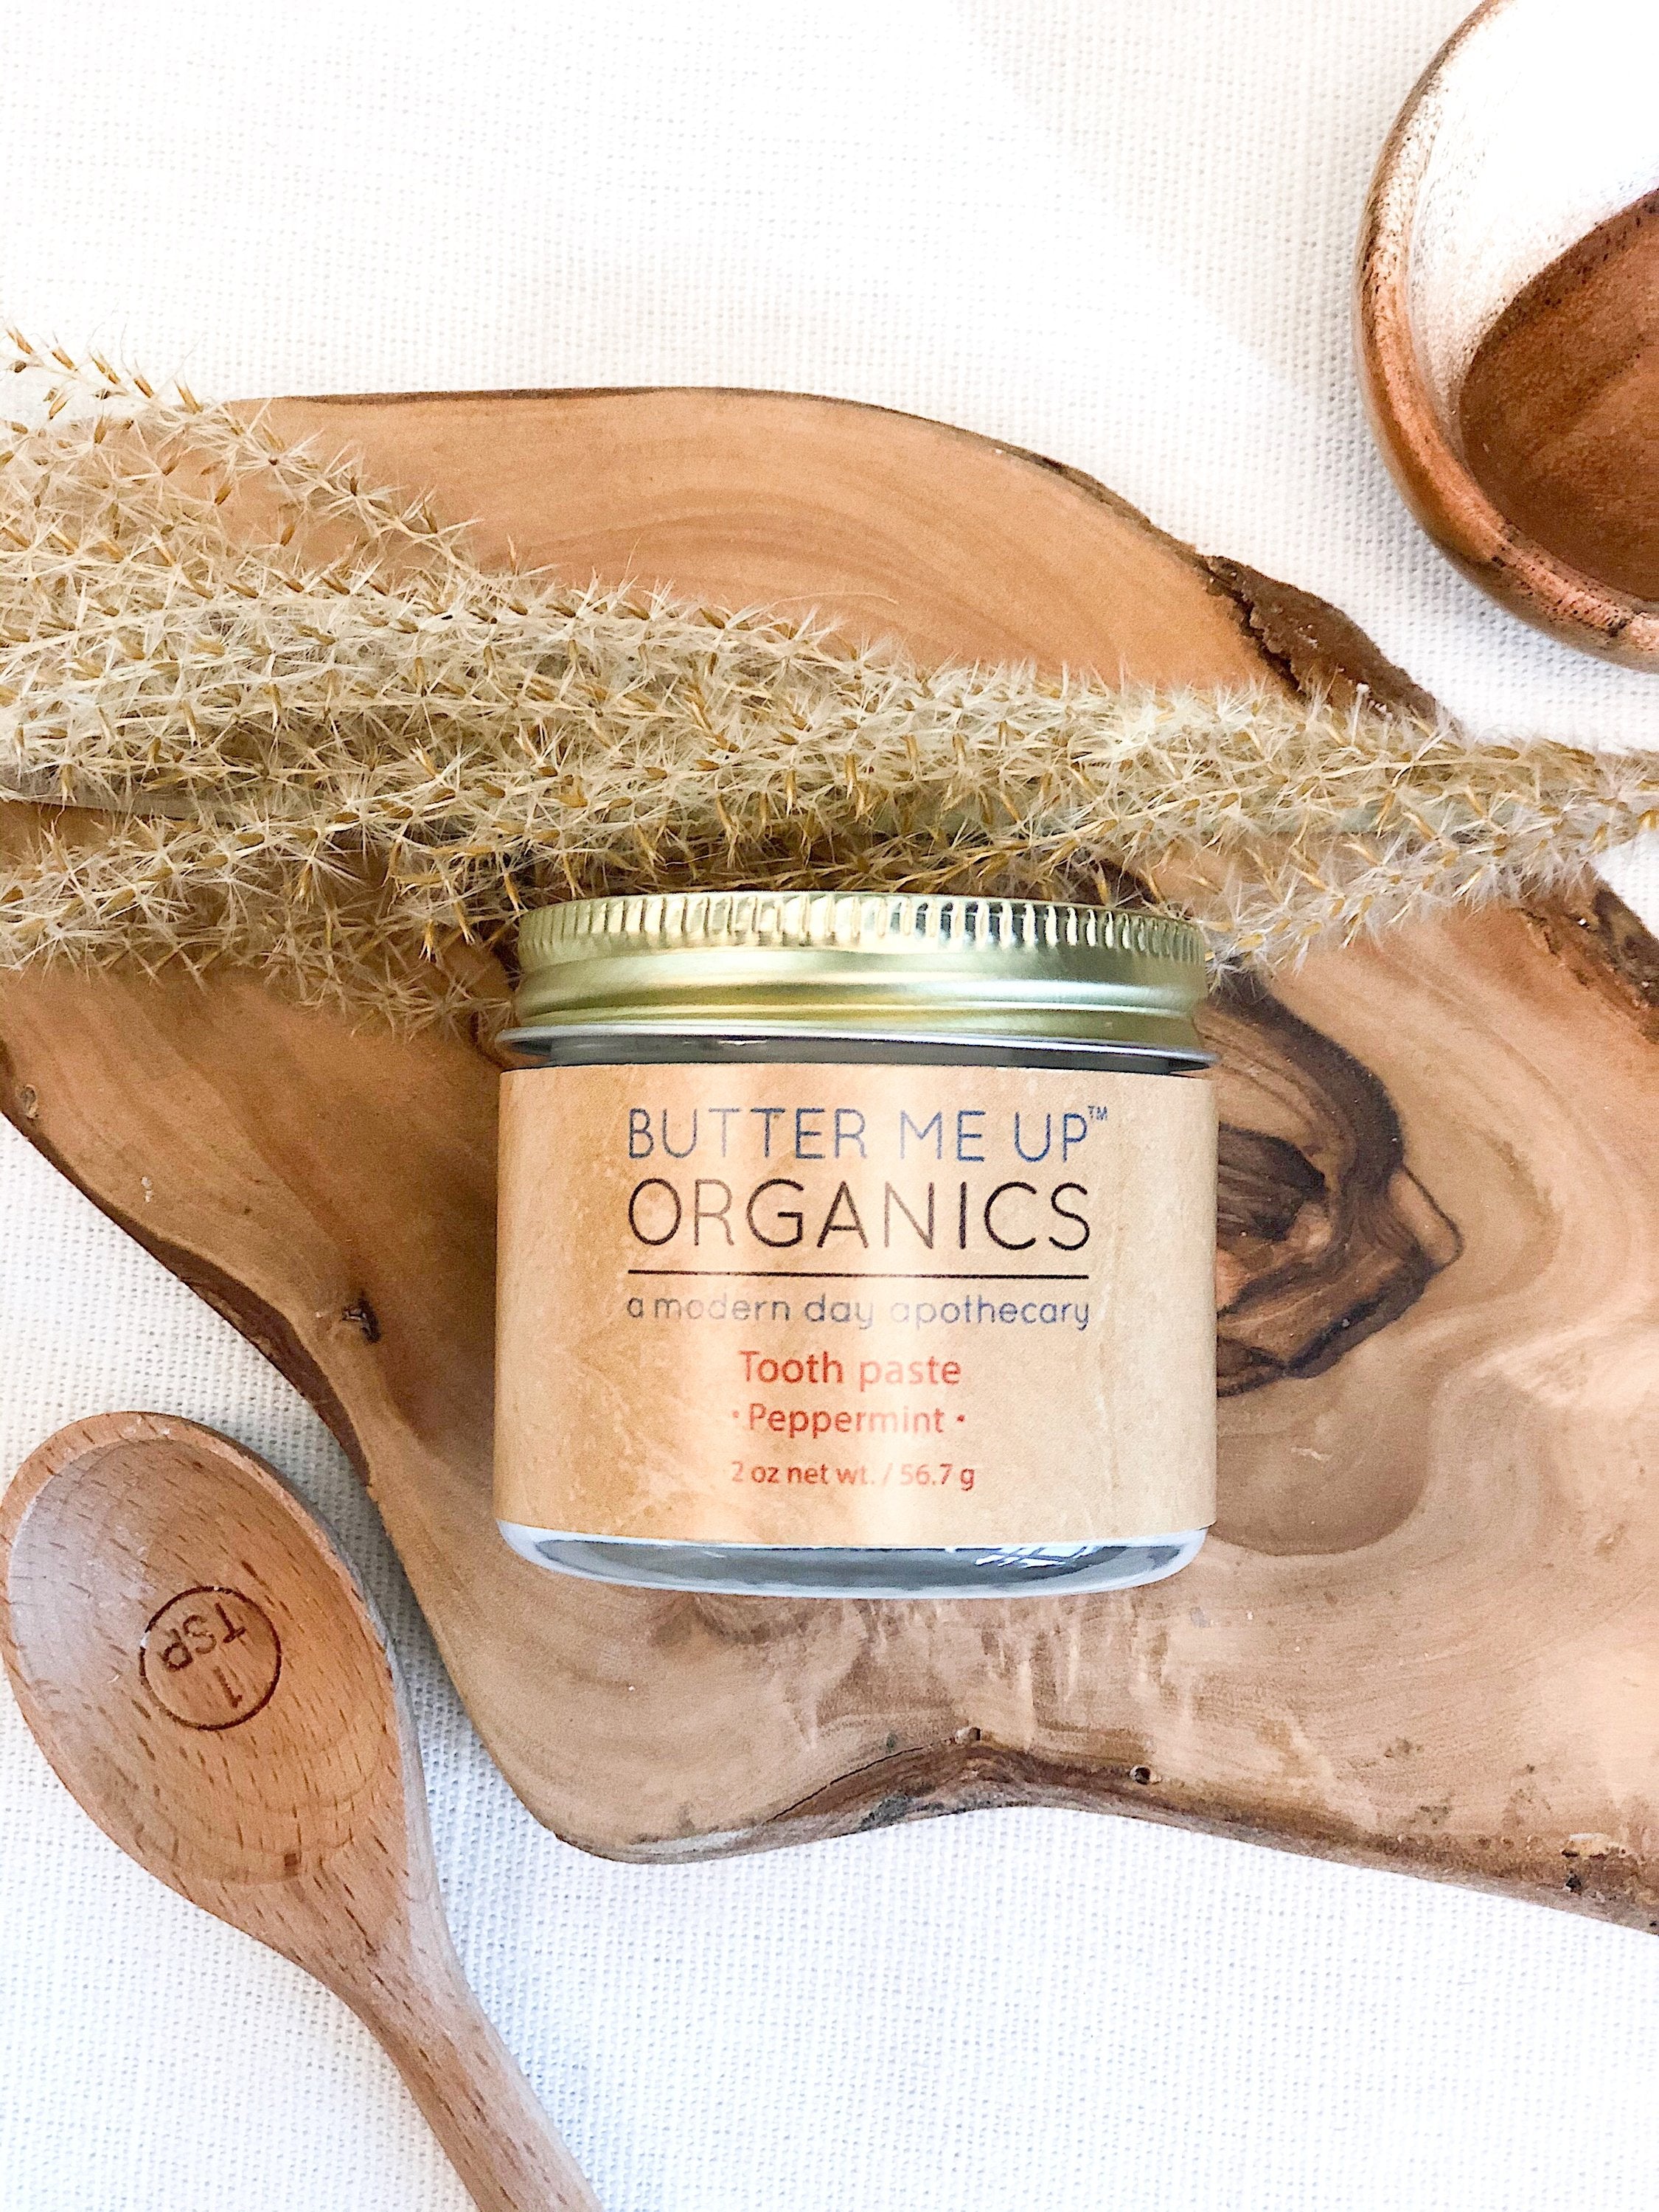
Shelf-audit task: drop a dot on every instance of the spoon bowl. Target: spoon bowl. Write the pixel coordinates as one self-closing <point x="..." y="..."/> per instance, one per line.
<point x="208" y="1679"/>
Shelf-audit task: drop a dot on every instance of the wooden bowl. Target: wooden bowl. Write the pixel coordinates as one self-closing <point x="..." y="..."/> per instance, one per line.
<point x="1533" y="126"/>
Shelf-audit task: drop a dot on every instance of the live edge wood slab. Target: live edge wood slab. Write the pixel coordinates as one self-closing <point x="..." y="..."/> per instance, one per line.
<point x="1426" y="1633"/>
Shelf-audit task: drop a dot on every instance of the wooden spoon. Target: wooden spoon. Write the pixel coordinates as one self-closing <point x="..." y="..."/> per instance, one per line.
<point x="206" y="1677"/>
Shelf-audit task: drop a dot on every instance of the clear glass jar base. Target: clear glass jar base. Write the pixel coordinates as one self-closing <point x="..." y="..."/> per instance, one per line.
<point x="876" y="1571"/>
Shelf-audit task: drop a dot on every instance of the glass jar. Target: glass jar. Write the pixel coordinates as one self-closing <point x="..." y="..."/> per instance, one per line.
<point x="856" y="1244"/>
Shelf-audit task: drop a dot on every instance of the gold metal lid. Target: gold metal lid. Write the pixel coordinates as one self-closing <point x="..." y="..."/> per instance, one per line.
<point x="862" y="964"/>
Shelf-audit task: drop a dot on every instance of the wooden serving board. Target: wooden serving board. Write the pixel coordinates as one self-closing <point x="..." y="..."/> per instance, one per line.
<point x="1426" y="1632"/>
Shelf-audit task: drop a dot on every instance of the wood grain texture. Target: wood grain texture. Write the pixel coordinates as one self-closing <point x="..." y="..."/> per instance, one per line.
<point x="205" y="1675"/>
<point x="1424" y="1634"/>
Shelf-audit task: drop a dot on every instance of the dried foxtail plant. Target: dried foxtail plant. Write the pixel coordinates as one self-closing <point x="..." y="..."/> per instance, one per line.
<point x="290" y="720"/>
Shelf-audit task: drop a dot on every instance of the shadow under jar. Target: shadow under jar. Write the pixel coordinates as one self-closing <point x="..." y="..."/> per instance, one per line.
<point x="856" y="1244"/>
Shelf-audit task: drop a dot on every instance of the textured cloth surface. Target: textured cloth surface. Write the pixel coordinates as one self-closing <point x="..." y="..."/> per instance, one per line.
<point x="1120" y="235"/>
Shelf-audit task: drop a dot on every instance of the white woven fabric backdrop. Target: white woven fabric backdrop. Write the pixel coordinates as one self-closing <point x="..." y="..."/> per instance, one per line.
<point x="1119" y="234"/>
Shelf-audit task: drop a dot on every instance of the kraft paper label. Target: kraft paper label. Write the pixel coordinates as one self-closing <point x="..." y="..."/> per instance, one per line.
<point x="856" y="1305"/>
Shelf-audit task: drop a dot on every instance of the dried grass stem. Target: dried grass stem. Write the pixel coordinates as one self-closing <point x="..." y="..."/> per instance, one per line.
<point x="318" y="735"/>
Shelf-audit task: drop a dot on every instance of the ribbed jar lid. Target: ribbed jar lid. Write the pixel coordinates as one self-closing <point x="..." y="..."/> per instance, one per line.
<point x="862" y="963"/>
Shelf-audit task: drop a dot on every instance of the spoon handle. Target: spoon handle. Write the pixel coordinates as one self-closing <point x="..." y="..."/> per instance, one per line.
<point x="474" y="2099"/>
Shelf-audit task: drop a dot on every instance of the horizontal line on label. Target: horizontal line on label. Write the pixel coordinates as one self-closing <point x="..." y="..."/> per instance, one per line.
<point x="845" y="1275"/>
